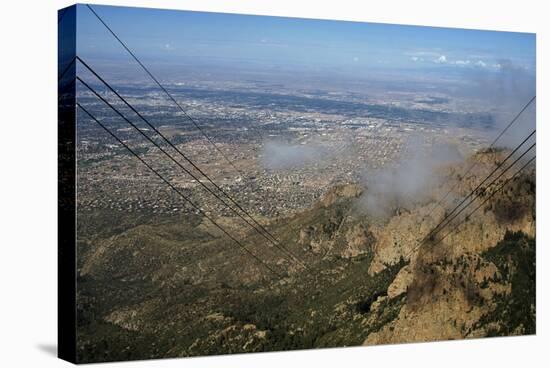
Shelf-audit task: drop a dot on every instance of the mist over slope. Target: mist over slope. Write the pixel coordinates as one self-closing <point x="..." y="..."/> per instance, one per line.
<point x="410" y="181"/>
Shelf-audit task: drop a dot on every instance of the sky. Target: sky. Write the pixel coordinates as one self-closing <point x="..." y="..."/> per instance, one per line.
<point x="172" y="36"/>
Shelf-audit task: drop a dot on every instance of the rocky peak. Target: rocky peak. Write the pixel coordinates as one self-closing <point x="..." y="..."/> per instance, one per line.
<point x="339" y="192"/>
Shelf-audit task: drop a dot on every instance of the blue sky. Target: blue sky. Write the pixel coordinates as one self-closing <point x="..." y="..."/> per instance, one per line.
<point x="226" y="38"/>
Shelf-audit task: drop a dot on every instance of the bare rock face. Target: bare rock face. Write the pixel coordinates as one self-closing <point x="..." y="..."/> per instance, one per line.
<point x="439" y="320"/>
<point x="333" y="227"/>
<point x="132" y="318"/>
<point x="399" y="237"/>
<point x="309" y="239"/>
<point x="401" y="283"/>
<point x="403" y="235"/>
<point x="340" y="191"/>
<point x="445" y="299"/>
<point x="126" y="319"/>
<point x="376" y="305"/>
<point x="359" y="241"/>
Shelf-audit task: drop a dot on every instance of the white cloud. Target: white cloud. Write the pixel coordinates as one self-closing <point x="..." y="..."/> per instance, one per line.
<point x="481" y="63"/>
<point x="441" y="60"/>
<point x="416" y="58"/>
<point x="423" y="53"/>
<point x="462" y="62"/>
